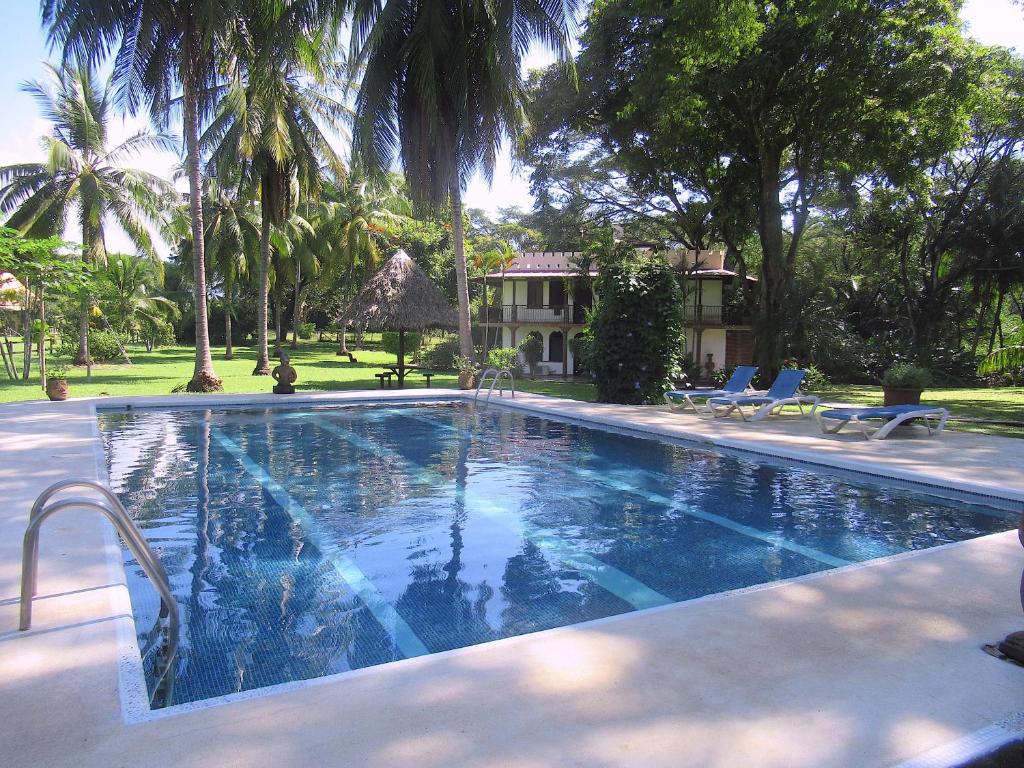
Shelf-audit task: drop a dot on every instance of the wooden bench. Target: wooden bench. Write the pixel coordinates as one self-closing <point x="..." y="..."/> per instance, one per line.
<point x="382" y="376"/>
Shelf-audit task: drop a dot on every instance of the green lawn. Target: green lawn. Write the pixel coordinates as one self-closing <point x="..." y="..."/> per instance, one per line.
<point x="158" y="372"/>
<point x="319" y="369"/>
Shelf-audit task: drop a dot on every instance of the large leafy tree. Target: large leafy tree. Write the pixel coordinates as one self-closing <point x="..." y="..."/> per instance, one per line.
<point x="271" y="125"/>
<point x="796" y="98"/>
<point x="162" y="47"/>
<point x="442" y="88"/>
<point x="83" y="174"/>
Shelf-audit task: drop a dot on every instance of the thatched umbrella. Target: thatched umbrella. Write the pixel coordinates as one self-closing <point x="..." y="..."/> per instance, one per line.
<point x="400" y="297"/>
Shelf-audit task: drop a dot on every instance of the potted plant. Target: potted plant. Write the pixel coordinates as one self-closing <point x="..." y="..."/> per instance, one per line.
<point x="903" y="383"/>
<point x="467" y="372"/>
<point x="57" y="383"/>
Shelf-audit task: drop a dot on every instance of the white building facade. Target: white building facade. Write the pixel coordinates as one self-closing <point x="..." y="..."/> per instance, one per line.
<point x="544" y="294"/>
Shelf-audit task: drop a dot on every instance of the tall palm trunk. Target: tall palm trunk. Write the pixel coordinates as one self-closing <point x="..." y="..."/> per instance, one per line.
<point x="263" y="362"/>
<point x="82" y="356"/>
<point x="203" y="379"/>
<point x="298" y="303"/>
<point x="462" y="279"/>
<point x="229" y="288"/>
<point x="277" y="318"/>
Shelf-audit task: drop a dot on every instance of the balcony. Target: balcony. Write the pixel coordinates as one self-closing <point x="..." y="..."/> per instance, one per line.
<point x="707" y="315"/>
<point x="548" y="314"/>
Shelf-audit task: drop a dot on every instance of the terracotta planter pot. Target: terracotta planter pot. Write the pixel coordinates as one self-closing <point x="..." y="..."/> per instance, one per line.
<point x="901" y="396"/>
<point x="467" y="380"/>
<point x="57" y="389"/>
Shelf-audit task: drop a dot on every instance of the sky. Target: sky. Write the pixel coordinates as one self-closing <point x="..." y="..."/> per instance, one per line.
<point x="993" y="22"/>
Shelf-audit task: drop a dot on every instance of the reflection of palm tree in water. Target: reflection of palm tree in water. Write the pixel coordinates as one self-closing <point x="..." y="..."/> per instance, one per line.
<point x="438" y="607"/>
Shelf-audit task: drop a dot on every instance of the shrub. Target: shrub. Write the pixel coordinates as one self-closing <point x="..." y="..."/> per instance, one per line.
<point x="389" y="342"/>
<point x="307" y="330"/>
<point x="906" y="376"/>
<point x="532" y="348"/>
<point x="157" y="333"/>
<point x="638" y="331"/>
<point x="442" y="355"/>
<point x="582" y="345"/>
<point x="463" y="365"/>
<point x="504" y="359"/>
<point x="814" y="378"/>
<point x="102" y="345"/>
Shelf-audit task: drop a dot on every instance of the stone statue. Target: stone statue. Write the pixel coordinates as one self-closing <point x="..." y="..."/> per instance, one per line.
<point x="285" y="376"/>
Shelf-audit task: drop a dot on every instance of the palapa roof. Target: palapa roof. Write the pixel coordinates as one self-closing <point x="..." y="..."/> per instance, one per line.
<point x="400" y="297"/>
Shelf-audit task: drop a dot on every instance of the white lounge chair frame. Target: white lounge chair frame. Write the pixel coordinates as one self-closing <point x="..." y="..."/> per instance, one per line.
<point x="775" y="406"/>
<point x="679" y="404"/>
<point x="934" y="419"/>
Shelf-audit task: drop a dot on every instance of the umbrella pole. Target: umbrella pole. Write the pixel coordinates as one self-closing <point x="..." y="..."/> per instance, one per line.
<point x="401" y="359"/>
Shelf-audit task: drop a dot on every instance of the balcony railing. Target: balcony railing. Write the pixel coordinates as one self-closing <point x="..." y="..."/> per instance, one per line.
<point x="714" y="314"/>
<point x="560" y="314"/>
<point x="703" y="315"/>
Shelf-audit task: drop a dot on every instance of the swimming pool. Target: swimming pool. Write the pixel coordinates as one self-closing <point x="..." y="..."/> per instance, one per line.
<point x="307" y="542"/>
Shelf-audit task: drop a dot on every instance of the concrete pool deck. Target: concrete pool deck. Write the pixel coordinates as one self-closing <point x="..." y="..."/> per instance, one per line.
<point x="868" y="665"/>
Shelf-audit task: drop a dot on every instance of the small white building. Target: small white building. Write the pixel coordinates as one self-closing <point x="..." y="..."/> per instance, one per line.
<point x="545" y="294"/>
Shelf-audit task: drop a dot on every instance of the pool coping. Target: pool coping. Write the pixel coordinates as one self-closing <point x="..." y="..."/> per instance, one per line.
<point x="133" y="696"/>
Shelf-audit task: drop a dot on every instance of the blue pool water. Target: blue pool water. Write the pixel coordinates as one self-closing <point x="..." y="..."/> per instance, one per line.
<point x="302" y="543"/>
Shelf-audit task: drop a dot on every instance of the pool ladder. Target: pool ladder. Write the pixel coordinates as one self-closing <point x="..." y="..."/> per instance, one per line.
<point x="114" y="511"/>
<point x="497" y="376"/>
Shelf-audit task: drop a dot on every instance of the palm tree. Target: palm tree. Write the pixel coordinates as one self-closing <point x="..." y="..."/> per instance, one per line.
<point x="126" y="286"/>
<point x="81" y="172"/>
<point x="161" y="46"/>
<point x="231" y="243"/>
<point x="442" y="87"/>
<point x="501" y="258"/>
<point x="270" y="119"/>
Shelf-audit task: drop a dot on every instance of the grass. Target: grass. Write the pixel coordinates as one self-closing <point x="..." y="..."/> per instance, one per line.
<point x="320" y="369"/>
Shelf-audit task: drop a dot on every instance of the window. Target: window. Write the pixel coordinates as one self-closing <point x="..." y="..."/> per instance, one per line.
<point x="556" y="293"/>
<point x="535" y="294"/>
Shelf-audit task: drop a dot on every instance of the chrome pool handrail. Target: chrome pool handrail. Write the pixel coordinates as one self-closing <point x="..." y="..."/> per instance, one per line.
<point x="118" y="516"/>
<point x="497" y="376"/>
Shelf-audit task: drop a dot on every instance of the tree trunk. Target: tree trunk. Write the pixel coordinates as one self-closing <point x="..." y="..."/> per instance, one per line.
<point x="26" y="333"/>
<point x="42" y="340"/>
<point x="82" y="356"/>
<point x="262" y="291"/>
<point x="298" y="303"/>
<point x="995" y="321"/>
<point x="774" y="280"/>
<point x="462" y="279"/>
<point x="277" y="319"/>
<point x="204" y="379"/>
<point x="487" y="319"/>
<point x="229" y="349"/>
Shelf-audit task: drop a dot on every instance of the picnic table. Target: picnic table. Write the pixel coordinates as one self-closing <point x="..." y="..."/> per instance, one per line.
<point x="401" y="371"/>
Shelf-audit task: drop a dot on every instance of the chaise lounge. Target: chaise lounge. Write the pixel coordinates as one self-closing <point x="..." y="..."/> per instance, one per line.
<point x="738" y="384"/>
<point x="785" y="390"/>
<point x="891" y="417"/>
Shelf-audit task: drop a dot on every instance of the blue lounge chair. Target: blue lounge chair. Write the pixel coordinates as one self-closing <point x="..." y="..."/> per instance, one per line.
<point x="891" y="417"/>
<point x="738" y="384"/>
<point x="785" y="390"/>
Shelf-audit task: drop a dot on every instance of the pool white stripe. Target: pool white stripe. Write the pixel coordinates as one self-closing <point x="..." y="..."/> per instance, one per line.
<point x="609" y="578"/>
<point x="407" y="641"/>
<point x="601" y="478"/>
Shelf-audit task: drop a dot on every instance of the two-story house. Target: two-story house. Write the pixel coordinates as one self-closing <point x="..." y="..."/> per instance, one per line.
<point x="545" y="295"/>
